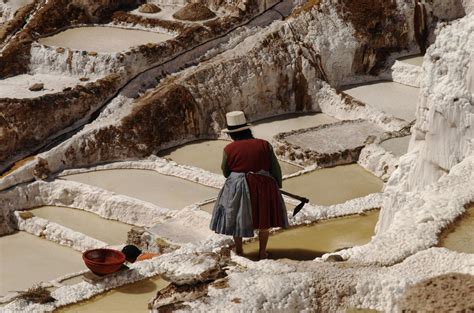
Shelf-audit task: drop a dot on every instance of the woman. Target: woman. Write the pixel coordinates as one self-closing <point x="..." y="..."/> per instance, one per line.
<point x="250" y="198"/>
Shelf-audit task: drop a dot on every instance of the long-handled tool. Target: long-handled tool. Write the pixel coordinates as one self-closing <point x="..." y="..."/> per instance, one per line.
<point x="299" y="198"/>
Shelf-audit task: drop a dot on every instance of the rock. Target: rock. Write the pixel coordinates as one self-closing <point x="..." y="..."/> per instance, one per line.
<point x="60" y="50"/>
<point x="192" y="269"/>
<point x="134" y="237"/>
<point x="446" y="293"/>
<point x="37" y="87"/>
<point x="41" y="170"/>
<point x="170" y="298"/>
<point x="194" y="12"/>
<point x="149" y="8"/>
<point x="26" y="215"/>
<point x="84" y="79"/>
<point x="92" y="53"/>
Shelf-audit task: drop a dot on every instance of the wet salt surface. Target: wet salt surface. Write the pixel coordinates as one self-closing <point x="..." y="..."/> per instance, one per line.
<point x="309" y="242"/>
<point x="334" y="185"/>
<point x="18" y="86"/>
<point x="460" y="237"/>
<point x="208" y="156"/>
<point x="164" y="191"/>
<point x="129" y="298"/>
<point x="90" y="224"/>
<point x="337" y="137"/>
<point x="26" y="260"/>
<point x="268" y="128"/>
<point x="398" y="146"/>
<point x="393" y="98"/>
<point x="413" y="60"/>
<point x="103" y="39"/>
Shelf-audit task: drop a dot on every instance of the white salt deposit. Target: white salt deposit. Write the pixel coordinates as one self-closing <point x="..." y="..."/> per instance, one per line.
<point x="102" y="39"/>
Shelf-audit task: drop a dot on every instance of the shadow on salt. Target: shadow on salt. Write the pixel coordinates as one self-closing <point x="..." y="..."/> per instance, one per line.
<point x="162" y="190"/>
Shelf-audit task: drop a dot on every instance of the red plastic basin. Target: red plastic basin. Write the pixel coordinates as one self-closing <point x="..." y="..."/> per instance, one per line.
<point x="103" y="261"/>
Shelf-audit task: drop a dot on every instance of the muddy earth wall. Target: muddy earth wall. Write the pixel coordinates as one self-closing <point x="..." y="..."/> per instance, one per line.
<point x="26" y="124"/>
<point x="71" y="62"/>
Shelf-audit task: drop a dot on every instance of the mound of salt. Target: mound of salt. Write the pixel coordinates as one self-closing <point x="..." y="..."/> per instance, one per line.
<point x="194" y="12"/>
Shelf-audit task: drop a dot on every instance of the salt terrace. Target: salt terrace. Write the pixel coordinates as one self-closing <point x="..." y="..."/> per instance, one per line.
<point x="111" y="134"/>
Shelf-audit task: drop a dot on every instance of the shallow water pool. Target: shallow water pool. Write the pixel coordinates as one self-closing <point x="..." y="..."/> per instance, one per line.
<point x="90" y="224"/>
<point x="393" y="98"/>
<point x="129" y="298"/>
<point x="162" y="190"/>
<point x="309" y="242"/>
<point x="334" y="185"/>
<point x="26" y="260"/>
<point x="460" y="236"/>
<point x="102" y="39"/>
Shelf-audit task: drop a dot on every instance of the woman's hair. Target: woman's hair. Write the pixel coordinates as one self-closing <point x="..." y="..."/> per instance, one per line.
<point x="241" y="135"/>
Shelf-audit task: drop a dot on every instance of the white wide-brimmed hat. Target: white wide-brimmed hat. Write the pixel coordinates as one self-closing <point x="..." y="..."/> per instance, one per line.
<point x="236" y="122"/>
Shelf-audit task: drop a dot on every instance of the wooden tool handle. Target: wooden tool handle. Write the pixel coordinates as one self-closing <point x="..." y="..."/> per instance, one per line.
<point x="302" y="199"/>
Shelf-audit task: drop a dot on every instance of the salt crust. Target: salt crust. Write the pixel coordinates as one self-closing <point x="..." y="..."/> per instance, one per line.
<point x="418" y="217"/>
<point x="378" y="161"/>
<point x="442" y="136"/>
<point x="443" y="132"/>
<point x="407" y="74"/>
<point x="300" y="286"/>
<point x="58" y="233"/>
